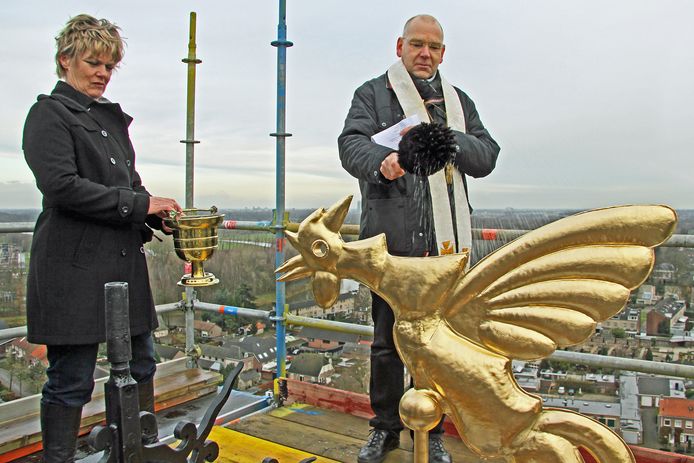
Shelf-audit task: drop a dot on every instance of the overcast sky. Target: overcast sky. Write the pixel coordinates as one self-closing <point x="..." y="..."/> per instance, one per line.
<point x="591" y="101"/>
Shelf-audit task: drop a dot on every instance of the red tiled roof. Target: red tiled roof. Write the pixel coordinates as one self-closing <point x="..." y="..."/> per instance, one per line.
<point x="36" y="351"/>
<point x="672" y="406"/>
<point x="39" y="353"/>
<point x="207" y="326"/>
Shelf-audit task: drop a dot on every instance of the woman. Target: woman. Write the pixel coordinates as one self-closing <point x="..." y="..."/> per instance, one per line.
<point x="96" y="217"/>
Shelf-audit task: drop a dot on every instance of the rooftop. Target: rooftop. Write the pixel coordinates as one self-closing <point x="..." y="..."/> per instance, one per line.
<point x="586" y="407"/>
<point x="673" y="406"/>
<point x="653" y="385"/>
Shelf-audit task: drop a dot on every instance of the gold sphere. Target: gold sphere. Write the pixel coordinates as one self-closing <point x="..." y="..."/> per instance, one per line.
<point x="420" y="409"/>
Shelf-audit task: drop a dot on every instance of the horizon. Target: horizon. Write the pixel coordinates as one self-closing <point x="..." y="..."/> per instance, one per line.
<point x="589" y="110"/>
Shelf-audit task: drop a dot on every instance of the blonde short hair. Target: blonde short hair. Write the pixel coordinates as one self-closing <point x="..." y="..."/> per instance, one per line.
<point x="86" y="34"/>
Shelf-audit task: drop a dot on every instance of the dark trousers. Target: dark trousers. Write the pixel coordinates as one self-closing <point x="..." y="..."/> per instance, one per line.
<point x="71" y="370"/>
<point x="386" y="385"/>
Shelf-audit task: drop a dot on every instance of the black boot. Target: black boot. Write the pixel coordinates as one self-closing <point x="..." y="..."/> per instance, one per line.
<point x="59" y="428"/>
<point x="145" y="396"/>
<point x="379" y="444"/>
<point x="437" y="452"/>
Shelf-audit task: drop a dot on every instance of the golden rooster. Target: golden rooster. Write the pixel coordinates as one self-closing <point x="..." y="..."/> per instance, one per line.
<point x="457" y="331"/>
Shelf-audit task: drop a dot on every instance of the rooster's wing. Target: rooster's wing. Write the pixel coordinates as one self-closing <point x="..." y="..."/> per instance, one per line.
<point x="550" y="287"/>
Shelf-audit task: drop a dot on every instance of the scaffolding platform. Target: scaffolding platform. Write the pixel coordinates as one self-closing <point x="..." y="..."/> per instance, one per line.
<point x="315" y="421"/>
<point x="174" y="384"/>
<point x="333" y="425"/>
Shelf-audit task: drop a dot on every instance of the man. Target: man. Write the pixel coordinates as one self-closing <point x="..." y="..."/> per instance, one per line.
<point x="419" y="215"/>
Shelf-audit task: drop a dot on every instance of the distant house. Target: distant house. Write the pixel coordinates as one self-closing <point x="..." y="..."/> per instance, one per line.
<point x="605" y="412"/>
<point x="664" y="272"/>
<point x="604" y="384"/>
<point x="665" y="316"/>
<point x="207" y="329"/>
<point x="628" y="319"/>
<point x="11" y="256"/>
<point x="255" y="328"/>
<point x="361" y="351"/>
<point x="7" y="296"/>
<point x="327" y="340"/>
<point x="676" y="419"/>
<point x="168" y="352"/>
<point x="248" y="379"/>
<point x="311" y="367"/>
<point x="527" y="375"/>
<point x="30" y="353"/>
<point x="262" y="348"/>
<point x="652" y="389"/>
<point x="229" y="355"/>
<point x="674" y="292"/>
<point x="344" y="305"/>
<point x="4" y="344"/>
<point x="630" y="420"/>
<point x="162" y="330"/>
<point x="646" y="295"/>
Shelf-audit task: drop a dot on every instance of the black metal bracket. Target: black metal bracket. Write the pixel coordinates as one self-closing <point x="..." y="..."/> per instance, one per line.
<point x="121" y="438"/>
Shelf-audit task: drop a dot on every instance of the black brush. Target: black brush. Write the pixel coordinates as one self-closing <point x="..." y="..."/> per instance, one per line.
<point x="426" y="148"/>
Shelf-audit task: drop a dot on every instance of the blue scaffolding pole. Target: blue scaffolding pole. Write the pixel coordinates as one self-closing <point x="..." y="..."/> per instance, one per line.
<point x="280" y="135"/>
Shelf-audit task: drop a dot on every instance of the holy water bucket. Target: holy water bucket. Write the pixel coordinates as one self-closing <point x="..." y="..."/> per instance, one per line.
<point x="195" y="239"/>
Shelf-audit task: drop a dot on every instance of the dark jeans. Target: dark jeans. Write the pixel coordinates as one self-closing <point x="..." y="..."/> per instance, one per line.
<point x="386" y="386"/>
<point x="71" y="370"/>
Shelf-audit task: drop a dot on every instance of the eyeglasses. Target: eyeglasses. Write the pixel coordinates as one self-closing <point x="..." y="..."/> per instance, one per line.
<point x="433" y="46"/>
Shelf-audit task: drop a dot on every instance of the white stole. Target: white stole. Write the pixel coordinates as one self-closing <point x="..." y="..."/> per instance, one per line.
<point x="412" y="103"/>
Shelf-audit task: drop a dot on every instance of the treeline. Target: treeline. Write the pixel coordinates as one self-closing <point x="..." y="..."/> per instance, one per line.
<point x="243" y="269"/>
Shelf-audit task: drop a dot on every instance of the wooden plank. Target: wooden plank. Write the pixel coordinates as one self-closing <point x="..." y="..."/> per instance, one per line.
<point x="308" y="415"/>
<point x="328" y="398"/>
<point x="358" y="405"/>
<point x="243" y="448"/>
<point x="359" y="429"/>
<point x="26" y="406"/>
<point x="351" y="403"/>
<point x="174" y="384"/>
<point x="306" y="438"/>
<point x="332" y="434"/>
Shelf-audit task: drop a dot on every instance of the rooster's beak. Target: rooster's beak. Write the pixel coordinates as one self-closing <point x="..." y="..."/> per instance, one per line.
<point x="293" y="269"/>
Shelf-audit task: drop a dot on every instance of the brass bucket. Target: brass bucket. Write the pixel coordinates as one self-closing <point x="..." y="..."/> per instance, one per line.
<point x="195" y="239"/>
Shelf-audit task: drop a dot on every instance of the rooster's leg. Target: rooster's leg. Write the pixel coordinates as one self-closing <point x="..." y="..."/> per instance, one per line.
<point x="420" y="410"/>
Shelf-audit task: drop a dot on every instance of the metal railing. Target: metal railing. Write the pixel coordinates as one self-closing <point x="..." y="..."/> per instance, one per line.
<point x="281" y="223"/>
<point x="483" y="234"/>
<point x="580" y="358"/>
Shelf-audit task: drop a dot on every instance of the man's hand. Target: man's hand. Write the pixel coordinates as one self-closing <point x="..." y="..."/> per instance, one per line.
<point x="390" y="168"/>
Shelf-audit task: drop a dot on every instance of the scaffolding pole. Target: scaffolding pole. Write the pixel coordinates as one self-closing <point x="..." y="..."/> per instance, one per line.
<point x="189" y="296"/>
<point x="279" y="223"/>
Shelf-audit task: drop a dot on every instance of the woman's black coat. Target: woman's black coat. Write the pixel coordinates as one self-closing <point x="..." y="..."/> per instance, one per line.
<point x="92" y="227"/>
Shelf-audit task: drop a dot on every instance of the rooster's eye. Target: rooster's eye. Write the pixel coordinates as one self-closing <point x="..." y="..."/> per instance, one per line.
<point x="320" y="248"/>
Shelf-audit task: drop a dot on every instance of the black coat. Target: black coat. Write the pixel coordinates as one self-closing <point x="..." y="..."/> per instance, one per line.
<point x="92" y="227"/>
<point x="401" y="208"/>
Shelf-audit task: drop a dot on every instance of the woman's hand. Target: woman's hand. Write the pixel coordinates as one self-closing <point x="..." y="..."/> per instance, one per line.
<point x="162" y="207"/>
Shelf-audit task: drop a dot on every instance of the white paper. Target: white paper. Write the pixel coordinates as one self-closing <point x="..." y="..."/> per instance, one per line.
<point x="391" y="137"/>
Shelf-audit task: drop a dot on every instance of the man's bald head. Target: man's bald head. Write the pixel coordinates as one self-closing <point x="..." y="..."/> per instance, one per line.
<point x="424" y="18"/>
